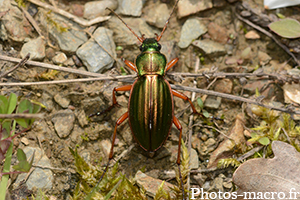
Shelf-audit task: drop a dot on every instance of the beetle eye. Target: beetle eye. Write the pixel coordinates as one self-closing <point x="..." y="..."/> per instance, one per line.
<point x="141" y="48"/>
<point x="158" y="46"/>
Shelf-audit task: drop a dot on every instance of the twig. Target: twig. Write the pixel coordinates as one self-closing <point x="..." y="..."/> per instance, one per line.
<point x="106" y="78"/>
<point x="17" y="116"/>
<point x="32" y="21"/>
<point x="232" y="97"/>
<point x="249" y="153"/>
<point x="55" y="67"/>
<point x="269" y="35"/>
<point x="51" y="168"/>
<point x="76" y="19"/>
<point x="20" y="64"/>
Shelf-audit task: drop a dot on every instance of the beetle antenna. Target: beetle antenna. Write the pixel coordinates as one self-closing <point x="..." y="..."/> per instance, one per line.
<point x="162" y="32"/>
<point x="141" y="39"/>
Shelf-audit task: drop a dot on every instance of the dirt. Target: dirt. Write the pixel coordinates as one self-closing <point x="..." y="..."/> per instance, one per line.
<point x="85" y="96"/>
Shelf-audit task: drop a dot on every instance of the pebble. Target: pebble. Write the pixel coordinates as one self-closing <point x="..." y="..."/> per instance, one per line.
<point x="131" y="7"/>
<point x="35" y="47"/>
<point x="61" y="100"/>
<point x="191" y="30"/>
<point x="210" y="47"/>
<point x="189" y="7"/>
<point x="217" y="33"/>
<point x="105" y="147"/>
<point x="77" y="9"/>
<point x="63" y="122"/>
<point x="224" y="86"/>
<point x="60" y="58"/>
<point x="263" y="58"/>
<point x="14" y="24"/>
<point x="95" y="9"/>
<point x="157" y="15"/>
<point x="252" y="35"/>
<point x="194" y="159"/>
<point x="25" y="141"/>
<point x="82" y="118"/>
<point x="151" y="184"/>
<point x="39" y="178"/>
<point x="93" y="56"/>
<point x="212" y="102"/>
<point x="68" y="41"/>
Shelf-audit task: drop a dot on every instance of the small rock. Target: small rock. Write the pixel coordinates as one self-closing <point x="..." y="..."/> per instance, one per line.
<point x="62" y="101"/>
<point x="131" y="7"/>
<point x="151" y="184"/>
<point x="194" y="160"/>
<point x="25" y="141"/>
<point x="157" y="15"/>
<point x="35" y="47"/>
<point x="94" y="57"/>
<point x="76" y="134"/>
<point x="190" y="31"/>
<point x="106" y="146"/>
<point x="68" y="40"/>
<point x="95" y="9"/>
<point x="39" y="178"/>
<point x="50" y="53"/>
<point x="212" y="102"/>
<point x="210" y="47"/>
<point x="291" y="93"/>
<point x="217" y="33"/>
<point x="224" y="86"/>
<point x="189" y="7"/>
<point x="82" y="118"/>
<point x="252" y="35"/>
<point x="60" y="58"/>
<point x="263" y="58"/>
<point x="247" y="53"/>
<point x="63" y="122"/>
<point x="14" y="23"/>
<point x="169" y="49"/>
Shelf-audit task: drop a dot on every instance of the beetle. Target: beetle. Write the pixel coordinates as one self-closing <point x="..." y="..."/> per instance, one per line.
<point x="150" y="105"/>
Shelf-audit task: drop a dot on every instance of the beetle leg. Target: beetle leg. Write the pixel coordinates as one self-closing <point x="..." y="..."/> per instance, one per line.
<point x="184" y="97"/>
<point x="121" y="88"/>
<point x="111" y="153"/>
<point x="179" y="127"/>
<point x="129" y="64"/>
<point x="171" y="64"/>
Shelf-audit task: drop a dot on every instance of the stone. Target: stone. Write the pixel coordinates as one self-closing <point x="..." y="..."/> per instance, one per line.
<point x="210" y="47"/>
<point x="157" y="15"/>
<point x="131" y="7"/>
<point x="95" y="9"/>
<point x="68" y="39"/>
<point x="60" y="58"/>
<point x="61" y="100"/>
<point x="63" y="122"/>
<point x="35" y="47"/>
<point x="191" y="30"/>
<point x="189" y="7"/>
<point x="39" y="178"/>
<point x="93" y="56"/>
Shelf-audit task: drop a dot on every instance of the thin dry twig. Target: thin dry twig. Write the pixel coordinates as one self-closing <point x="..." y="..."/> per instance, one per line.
<point x="32" y="21"/>
<point x="249" y="153"/>
<point x="76" y="19"/>
<point x="55" y="67"/>
<point x="20" y="64"/>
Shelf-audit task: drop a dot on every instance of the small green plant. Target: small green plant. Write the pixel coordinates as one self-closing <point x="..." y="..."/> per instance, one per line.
<point x="226" y="162"/>
<point x="7" y="134"/>
<point x="115" y="185"/>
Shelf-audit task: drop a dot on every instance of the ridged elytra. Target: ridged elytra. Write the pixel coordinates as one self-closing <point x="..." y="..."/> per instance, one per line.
<point x="150" y="107"/>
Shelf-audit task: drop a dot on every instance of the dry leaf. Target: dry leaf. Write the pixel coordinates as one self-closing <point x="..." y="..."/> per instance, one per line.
<point x="224" y="150"/>
<point x="280" y="174"/>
